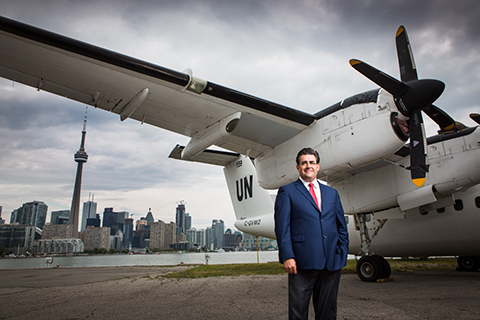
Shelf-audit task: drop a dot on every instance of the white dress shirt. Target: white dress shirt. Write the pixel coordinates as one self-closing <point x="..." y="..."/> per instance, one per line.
<point x="316" y="188"/>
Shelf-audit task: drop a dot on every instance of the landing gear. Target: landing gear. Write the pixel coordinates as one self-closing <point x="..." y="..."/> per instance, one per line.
<point x="372" y="268"/>
<point x="468" y="263"/>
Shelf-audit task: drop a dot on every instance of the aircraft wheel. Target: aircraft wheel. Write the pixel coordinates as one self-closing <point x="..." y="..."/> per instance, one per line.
<point x="369" y="269"/>
<point x="468" y="263"/>
<point x="387" y="271"/>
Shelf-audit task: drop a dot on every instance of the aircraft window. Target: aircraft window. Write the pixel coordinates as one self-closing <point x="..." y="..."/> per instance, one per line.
<point x="441" y="210"/>
<point x="458" y="205"/>
<point x="477" y="202"/>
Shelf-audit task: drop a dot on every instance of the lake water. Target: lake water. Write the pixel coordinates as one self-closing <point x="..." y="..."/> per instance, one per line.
<point x="166" y="259"/>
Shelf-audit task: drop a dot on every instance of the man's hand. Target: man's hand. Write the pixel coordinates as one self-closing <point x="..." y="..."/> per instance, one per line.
<point x="290" y="266"/>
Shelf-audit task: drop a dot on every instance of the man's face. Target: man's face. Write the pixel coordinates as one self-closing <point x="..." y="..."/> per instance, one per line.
<point x="308" y="167"/>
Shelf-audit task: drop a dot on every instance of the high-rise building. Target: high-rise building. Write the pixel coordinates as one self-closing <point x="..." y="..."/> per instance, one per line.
<point x="188" y="221"/>
<point x="97" y="238"/>
<point x="116" y="241"/>
<point x="127" y="233"/>
<point x="140" y="237"/>
<point x="89" y="212"/>
<point x="162" y="234"/>
<point x="114" y="220"/>
<point x="200" y="238"/>
<point x="229" y="241"/>
<point x="170" y="233"/>
<point x="2" y="221"/>
<point x="210" y="238"/>
<point x="149" y="217"/>
<point x="80" y="158"/>
<point x="13" y="216"/>
<point x="219" y="229"/>
<point x="141" y="224"/>
<point x="180" y="238"/>
<point x="59" y="216"/>
<point x="56" y="231"/>
<point x="94" y="222"/>
<point x="191" y="235"/>
<point x="157" y="234"/>
<point x="180" y="218"/>
<point x="18" y="238"/>
<point x="31" y="214"/>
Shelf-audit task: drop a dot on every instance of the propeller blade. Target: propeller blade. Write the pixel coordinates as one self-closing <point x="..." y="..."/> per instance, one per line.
<point x="418" y="153"/>
<point x="383" y="80"/>
<point x="475" y="117"/>
<point x="408" y="70"/>
<point x="444" y="121"/>
<point x="411" y="96"/>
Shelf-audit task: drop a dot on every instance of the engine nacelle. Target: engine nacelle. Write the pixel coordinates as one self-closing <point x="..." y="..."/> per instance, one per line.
<point x="454" y="166"/>
<point x="347" y="138"/>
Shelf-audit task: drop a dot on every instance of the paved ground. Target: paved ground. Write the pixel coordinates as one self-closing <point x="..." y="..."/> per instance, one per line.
<point x="141" y="292"/>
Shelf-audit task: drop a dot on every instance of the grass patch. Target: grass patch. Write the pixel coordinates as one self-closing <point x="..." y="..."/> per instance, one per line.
<point x="250" y="269"/>
<point x="229" y="270"/>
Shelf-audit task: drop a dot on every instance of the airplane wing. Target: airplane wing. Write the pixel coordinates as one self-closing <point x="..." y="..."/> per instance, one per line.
<point x="143" y="91"/>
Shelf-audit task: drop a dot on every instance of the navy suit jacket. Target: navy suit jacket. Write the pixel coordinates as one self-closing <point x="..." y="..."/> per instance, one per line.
<point x="316" y="240"/>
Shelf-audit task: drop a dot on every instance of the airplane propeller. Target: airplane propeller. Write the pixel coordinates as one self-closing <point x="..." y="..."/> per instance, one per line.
<point x="411" y="96"/>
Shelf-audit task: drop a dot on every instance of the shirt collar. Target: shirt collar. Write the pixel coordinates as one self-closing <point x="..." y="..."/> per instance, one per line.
<point x="315" y="184"/>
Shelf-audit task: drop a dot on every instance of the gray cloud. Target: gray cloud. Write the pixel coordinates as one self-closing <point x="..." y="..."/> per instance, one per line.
<point x="292" y="52"/>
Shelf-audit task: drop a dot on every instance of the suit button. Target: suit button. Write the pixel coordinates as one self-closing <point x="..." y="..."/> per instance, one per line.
<point x="324" y="237"/>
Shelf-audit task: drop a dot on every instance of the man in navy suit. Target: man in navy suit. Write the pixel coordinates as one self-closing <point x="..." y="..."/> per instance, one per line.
<point x="312" y="240"/>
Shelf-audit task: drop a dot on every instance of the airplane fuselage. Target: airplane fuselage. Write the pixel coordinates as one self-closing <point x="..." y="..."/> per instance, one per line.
<point x="448" y="231"/>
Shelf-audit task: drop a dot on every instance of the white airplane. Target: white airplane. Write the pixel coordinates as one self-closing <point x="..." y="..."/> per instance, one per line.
<point x="360" y="139"/>
<point x="447" y="227"/>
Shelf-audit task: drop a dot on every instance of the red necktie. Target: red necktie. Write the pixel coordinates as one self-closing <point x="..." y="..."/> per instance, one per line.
<point x="312" y="192"/>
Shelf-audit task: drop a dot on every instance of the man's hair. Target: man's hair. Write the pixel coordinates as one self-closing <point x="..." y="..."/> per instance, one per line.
<point x="305" y="151"/>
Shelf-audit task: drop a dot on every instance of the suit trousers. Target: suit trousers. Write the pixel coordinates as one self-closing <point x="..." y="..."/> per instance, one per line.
<point x="323" y="284"/>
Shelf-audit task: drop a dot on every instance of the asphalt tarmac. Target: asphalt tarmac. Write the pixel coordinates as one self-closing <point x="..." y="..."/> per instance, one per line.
<point x="142" y="293"/>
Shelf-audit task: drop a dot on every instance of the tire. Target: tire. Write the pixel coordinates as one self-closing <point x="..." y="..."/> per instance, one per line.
<point x="369" y="269"/>
<point x="387" y="271"/>
<point x="468" y="263"/>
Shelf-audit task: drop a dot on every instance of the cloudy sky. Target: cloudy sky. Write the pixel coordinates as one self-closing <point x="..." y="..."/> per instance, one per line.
<point x="291" y="52"/>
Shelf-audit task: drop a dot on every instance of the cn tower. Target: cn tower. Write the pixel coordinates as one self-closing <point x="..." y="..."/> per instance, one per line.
<point x="80" y="158"/>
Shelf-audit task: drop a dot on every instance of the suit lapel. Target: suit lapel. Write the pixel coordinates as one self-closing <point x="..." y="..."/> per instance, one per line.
<point x="301" y="188"/>
<point x="323" y="195"/>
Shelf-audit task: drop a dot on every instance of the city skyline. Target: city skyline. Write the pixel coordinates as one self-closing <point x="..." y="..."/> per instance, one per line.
<point x="293" y="54"/>
<point x="140" y="216"/>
